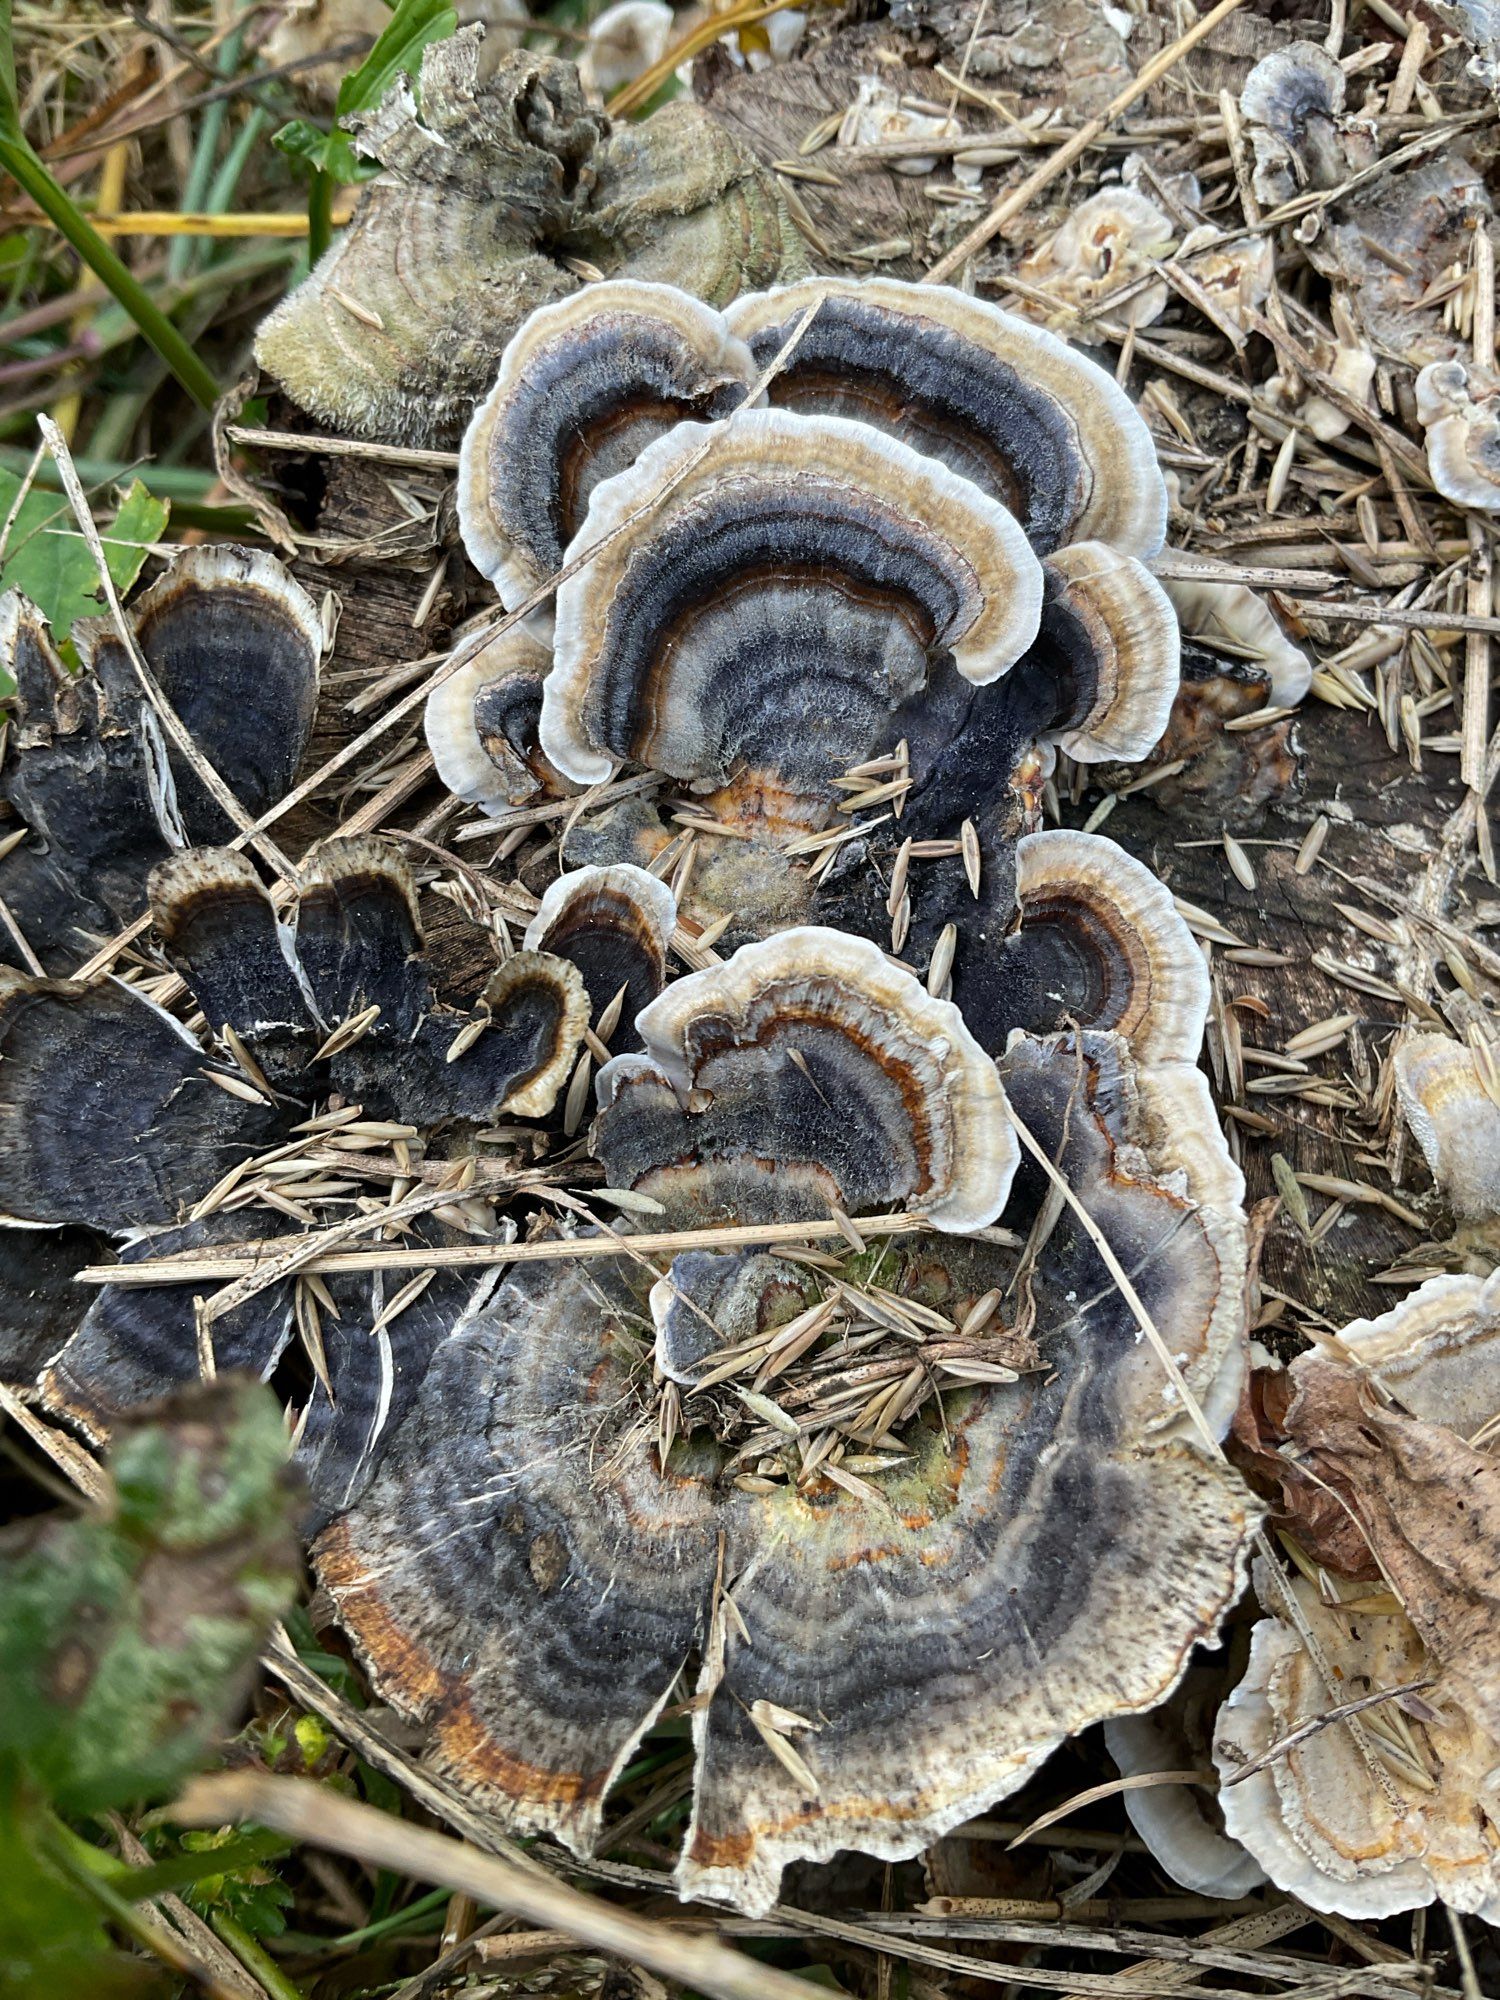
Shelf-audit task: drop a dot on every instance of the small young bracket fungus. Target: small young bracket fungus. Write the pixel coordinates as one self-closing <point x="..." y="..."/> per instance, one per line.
<point x="235" y="644"/>
<point x="481" y="723"/>
<point x="1233" y="619"/>
<point x="1459" y="406"/>
<point x="1110" y="637"/>
<point x="809" y="1062"/>
<point x="1293" y="106"/>
<point x="1109" y="241"/>
<point x="583" y="388"/>
<point x="1027" y="418"/>
<point x="1455" y="1119"/>
<point x="1097" y="941"/>
<point x="796" y="582"/>
<point x="886" y="1619"/>
<point x="1397" y="1806"/>
<point x="615" y="925"/>
<point x="1178" y="1824"/>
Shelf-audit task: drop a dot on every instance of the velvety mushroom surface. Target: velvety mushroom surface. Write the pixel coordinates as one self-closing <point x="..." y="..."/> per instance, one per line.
<point x="121" y="1121"/>
<point x="234" y="644"/>
<point x="897" y="1520"/>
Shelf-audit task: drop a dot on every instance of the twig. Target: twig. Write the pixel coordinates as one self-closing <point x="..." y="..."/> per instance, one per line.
<point x="310" y="1812"/>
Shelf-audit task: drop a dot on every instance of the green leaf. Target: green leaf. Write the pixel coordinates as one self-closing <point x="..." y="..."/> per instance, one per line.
<point x="47" y="558"/>
<point x="128" y="1637"/>
<point x="411" y="27"/>
<point x="52" y="1937"/>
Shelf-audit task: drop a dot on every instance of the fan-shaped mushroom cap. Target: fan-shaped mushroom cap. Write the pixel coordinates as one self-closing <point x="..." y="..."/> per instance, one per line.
<point x="1455" y="1119"/>
<point x="816" y="1055"/>
<point x="221" y="933"/>
<point x="583" y="387"/>
<point x="1293" y="104"/>
<point x="1100" y="943"/>
<point x="792" y="586"/>
<point x="1106" y="242"/>
<point x="1230" y="617"/>
<point x="1363" y="1831"/>
<point x="235" y="643"/>
<point x="1110" y="632"/>
<point x="622" y="42"/>
<point x="1004" y="403"/>
<point x="108" y="1110"/>
<point x="615" y="925"/>
<point x="481" y="723"/>
<point x="532" y="1586"/>
<point x="88" y="775"/>
<point x="1459" y="407"/>
<point x="542" y="1641"/>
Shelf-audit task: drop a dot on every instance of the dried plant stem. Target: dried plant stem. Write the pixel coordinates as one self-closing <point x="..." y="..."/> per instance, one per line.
<point x="310" y="1812"/>
<point x="481" y="1256"/>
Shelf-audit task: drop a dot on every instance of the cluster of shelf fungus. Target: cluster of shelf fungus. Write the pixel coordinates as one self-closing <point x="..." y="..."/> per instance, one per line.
<point x="922" y="1471"/>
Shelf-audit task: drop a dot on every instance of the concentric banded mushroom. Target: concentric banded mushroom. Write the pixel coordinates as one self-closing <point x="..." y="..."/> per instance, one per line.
<point x="796" y="581"/>
<point x="481" y="723"/>
<point x="808" y="1072"/>
<point x="1460" y="410"/>
<point x="1108" y="241"/>
<point x="615" y="925"/>
<point x="234" y="644"/>
<point x="583" y="388"/>
<point x="1230" y="618"/>
<point x="1014" y="409"/>
<point x="880" y="1638"/>
<point x="1293" y="105"/>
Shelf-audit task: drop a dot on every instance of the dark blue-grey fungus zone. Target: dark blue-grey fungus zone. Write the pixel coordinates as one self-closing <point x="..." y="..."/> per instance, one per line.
<point x="132" y="1345"/>
<point x="583" y="388"/>
<point x="108" y="1112"/>
<point x="234" y="643"/>
<point x="519" y="1572"/>
<point x="522" y="1576"/>
<point x="1028" y="419"/>
<point x="793" y="589"/>
<point x="353" y="953"/>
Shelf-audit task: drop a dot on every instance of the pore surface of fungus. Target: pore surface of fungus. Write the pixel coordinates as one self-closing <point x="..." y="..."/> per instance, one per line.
<point x="1455" y="1119"/>
<point x="732" y="1482"/>
<point x="1459" y="407"/>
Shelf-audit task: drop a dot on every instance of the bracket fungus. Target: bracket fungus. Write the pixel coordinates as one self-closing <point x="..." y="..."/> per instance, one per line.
<point x="582" y="388"/>
<point x="1293" y="107"/>
<point x="1109" y="241"/>
<point x="1459" y="407"/>
<point x="1009" y="406"/>
<point x="787" y="592"/>
<point x="615" y="925"/>
<point x="1456" y="1121"/>
<point x="496" y="177"/>
<point x="234" y="644"/>
<point x="481" y="722"/>
<point x="616" y="1489"/>
<point x="1395" y="1806"/>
